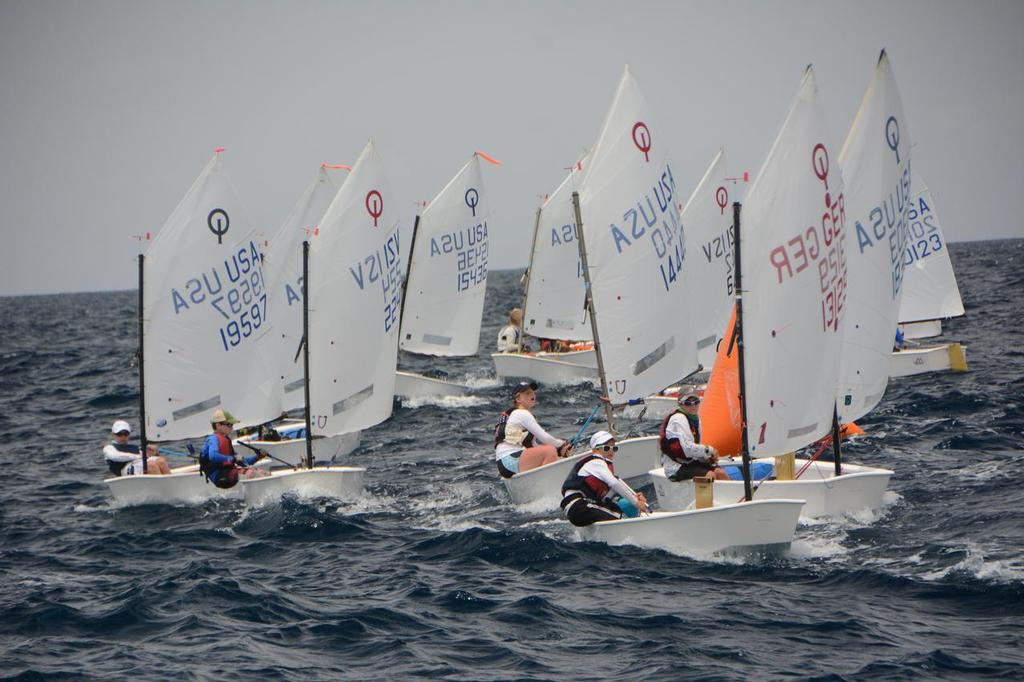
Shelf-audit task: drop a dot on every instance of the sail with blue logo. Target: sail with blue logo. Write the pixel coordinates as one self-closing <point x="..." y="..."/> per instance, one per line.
<point x="208" y="328"/>
<point x="447" y="277"/>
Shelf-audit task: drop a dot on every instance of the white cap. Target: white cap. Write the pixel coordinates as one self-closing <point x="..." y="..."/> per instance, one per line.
<point x="120" y="425"/>
<point x="600" y="438"/>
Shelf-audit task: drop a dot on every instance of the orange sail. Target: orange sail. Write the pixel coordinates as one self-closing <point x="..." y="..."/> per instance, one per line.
<point x="720" y="409"/>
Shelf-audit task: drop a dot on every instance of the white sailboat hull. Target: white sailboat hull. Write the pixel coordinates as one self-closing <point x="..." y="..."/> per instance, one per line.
<point x="543" y="485"/>
<point x="925" y="329"/>
<point x="761" y="524"/>
<point x="293" y="450"/>
<point x="410" y="385"/>
<point x="339" y="482"/>
<point x="824" y="494"/>
<point x="910" y="361"/>
<point x="184" y="485"/>
<point x="547" y="368"/>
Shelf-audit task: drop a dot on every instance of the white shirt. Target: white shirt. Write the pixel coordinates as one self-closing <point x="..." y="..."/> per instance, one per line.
<point x="598" y="468"/>
<point x="508" y="339"/>
<point x="679" y="427"/>
<point x="523" y="419"/>
<point x="112" y="454"/>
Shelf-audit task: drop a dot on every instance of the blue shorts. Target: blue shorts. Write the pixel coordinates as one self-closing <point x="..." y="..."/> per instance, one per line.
<point x="508" y="466"/>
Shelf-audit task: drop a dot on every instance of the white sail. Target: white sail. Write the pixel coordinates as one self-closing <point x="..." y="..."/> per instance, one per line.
<point x="208" y="328"/>
<point x="355" y="275"/>
<point x="448" y="269"/>
<point x="929" y="285"/>
<point x="636" y="252"/>
<point x="283" y="266"/>
<point x="554" y="298"/>
<point x="707" y="219"/>
<point x="794" y="276"/>
<point x="876" y="172"/>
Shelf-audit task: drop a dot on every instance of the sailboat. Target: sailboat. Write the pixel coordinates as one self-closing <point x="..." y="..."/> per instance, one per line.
<point x="930" y="293"/>
<point x="553" y="300"/>
<point x="204" y="328"/>
<point x="352" y="272"/>
<point x="813" y="347"/>
<point x="707" y="219"/>
<point x="636" y="266"/>
<point x="283" y="266"/>
<point x="446" y="279"/>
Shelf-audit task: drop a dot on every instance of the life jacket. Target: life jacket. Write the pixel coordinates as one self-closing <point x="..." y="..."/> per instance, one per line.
<point x="591" y="487"/>
<point x="211" y="470"/>
<point x="117" y="467"/>
<point x="672" y="448"/>
<point x="517" y="436"/>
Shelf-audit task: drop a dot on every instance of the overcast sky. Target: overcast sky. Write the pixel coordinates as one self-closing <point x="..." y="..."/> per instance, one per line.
<point x="109" y="110"/>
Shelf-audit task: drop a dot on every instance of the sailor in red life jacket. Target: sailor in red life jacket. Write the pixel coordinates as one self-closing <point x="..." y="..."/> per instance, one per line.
<point x="517" y="435"/>
<point x="591" y="489"/>
<point x="218" y="460"/>
<point x="681" y="452"/>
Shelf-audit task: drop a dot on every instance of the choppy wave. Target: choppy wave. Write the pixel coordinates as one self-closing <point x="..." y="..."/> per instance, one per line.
<point x="433" y="573"/>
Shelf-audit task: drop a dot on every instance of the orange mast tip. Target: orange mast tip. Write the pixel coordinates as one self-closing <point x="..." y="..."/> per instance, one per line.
<point x="218" y="150"/>
<point x="487" y="157"/>
<point x="335" y="165"/>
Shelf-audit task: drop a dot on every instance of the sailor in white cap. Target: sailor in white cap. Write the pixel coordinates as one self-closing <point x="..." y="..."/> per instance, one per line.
<point x="125" y="459"/>
<point x="592" y="492"/>
<point x="682" y="454"/>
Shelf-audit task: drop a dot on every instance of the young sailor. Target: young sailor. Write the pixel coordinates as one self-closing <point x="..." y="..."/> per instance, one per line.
<point x="592" y="492"/>
<point x="125" y="459"/>
<point x="218" y="460"/>
<point x="517" y="435"/>
<point x="508" y="336"/>
<point x="681" y="452"/>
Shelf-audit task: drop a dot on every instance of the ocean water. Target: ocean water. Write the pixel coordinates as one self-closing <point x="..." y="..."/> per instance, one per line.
<point x="435" y="574"/>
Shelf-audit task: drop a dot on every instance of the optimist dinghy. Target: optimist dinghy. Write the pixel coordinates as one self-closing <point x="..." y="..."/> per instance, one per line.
<point x="930" y="293"/>
<point x="553" y="298"/>
<point x="807" y="366"/>
<point x="203" y="329"/>
<point x="638" y="307"/>
<point x="446" y="279"/>
<point x="349" y="375"/>
<point x="543" y="485"/>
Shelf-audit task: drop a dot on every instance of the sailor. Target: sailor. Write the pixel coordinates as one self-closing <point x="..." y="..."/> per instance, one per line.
<point x="218" y="460"/>
<point x="592" y="492"/>
<point x="681" y="451"/>
<point x="520" y="444"/>
<point x="125" y="459"/>
<point x="509" y="336"/>
<point x="901" y="342"/>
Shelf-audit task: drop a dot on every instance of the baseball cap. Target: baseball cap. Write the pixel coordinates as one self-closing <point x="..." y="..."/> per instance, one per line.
<point x="119" y="426"/>
<point x="600" y="438"/>
<point x="223" y="416"/>
<point x="689" y="399"/>
<point x="524" y="386"/>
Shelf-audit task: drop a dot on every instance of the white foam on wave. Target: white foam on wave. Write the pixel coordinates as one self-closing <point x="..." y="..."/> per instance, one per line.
<point x="1005" y="571"/>
<point x="86" y="509"/>
<point x="482" y="381"/>
<point x="451" y="401"/>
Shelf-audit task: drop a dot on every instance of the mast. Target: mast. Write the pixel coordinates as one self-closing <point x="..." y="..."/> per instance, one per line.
<point x="589" y="303"/>
<point x="529" y="275"/>
<point x="142" y="376"/>
<point x="408" y="271"/>
<point x="837" y="442"/>
<point x="747" y="492"/>
<point x="305" y="351"/>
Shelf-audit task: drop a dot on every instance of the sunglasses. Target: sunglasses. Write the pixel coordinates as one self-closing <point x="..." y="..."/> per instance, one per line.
<point x="122" y="433"/>
<point x="608" y="448"/>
